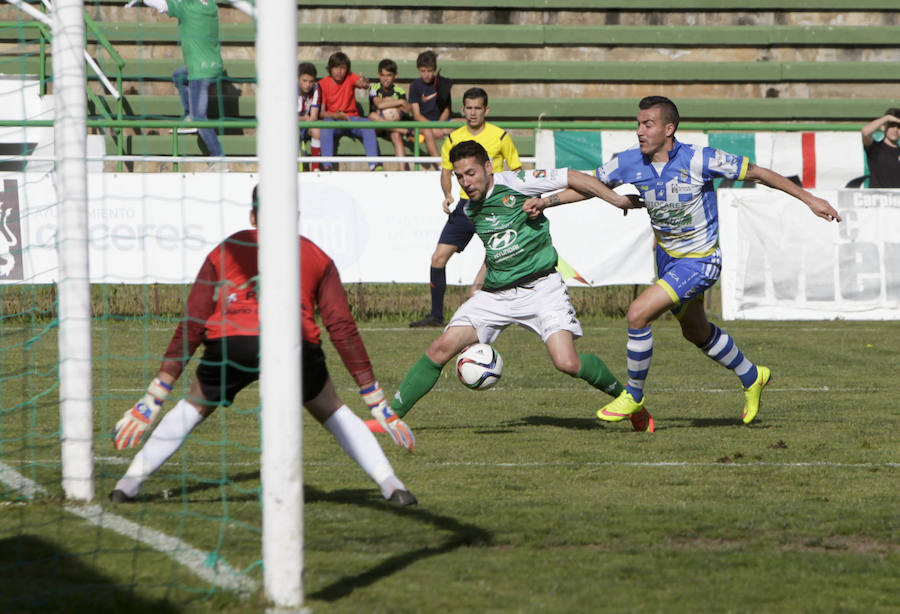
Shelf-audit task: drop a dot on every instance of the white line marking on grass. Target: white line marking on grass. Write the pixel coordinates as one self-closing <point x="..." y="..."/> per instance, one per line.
<point x="496" y="389"/>
<point x="197" y="561"/>
<point x="220" y="574"/>
<point x="806" y="329"/>
<point x="888" y="465"/>
<point x="734" y="464"/>
<point x="18" y="482"/>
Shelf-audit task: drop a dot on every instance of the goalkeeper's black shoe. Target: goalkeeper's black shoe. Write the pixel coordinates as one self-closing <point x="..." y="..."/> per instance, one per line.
<point x="118" y="496"/>
<point x="402" y="498"/>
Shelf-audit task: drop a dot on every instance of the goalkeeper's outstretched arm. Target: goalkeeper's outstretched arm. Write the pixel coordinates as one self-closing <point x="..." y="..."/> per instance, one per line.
<point x="338" y="320"/>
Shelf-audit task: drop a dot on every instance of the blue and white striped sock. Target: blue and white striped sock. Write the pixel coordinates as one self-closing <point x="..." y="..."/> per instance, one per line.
<point x="640" y="351"/>
<point x="722" y="348"/>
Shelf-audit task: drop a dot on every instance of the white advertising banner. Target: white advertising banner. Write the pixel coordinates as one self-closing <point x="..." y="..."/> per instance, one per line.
<point x="378" y="227"/>
<point x="780" y="262"/>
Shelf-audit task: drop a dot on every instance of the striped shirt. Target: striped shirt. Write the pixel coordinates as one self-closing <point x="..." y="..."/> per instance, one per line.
<point x="681" y="199"/>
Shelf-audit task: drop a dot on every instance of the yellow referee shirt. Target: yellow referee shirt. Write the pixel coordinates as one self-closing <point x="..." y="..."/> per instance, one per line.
<point x="495" y="140"/>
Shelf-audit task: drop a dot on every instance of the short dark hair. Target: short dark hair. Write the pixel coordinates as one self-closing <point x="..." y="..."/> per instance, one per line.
<point x="387" y="65"/>
<point x="668" y="110"/>
<point x="427" y="59"/>
<point x="896" y="113"/>
<point x="307" y="68"/>
<point x="475" y="92"/>
<point x="338" y="58"/>
<point x="469" y="149"/>
<point x="255" y="197"/>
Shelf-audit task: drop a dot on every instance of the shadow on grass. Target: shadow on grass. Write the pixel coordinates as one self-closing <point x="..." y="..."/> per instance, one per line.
<point x="706" y="423"/>
<point x="577" y="424"/>
<point x="461" y="534"/>
<point x="176" y="494"/>
<point x="39" y="576"/>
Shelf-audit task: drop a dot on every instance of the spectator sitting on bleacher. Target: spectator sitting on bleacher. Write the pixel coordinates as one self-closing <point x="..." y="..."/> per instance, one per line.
<point x="198" y="32"/>
<point x="883" y="157"/>
<point x="339" y="103"/>
<point x="308" y="105"/>
<point x="387" y="102"/>
<point x="429" y="98"/>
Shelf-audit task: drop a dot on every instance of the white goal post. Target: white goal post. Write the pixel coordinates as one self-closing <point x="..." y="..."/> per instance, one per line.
<point x="70" y="138"/>
<point x="279" y="270"/>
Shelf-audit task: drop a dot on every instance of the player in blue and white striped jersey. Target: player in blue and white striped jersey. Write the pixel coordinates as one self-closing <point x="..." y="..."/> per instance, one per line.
<point x="676" y="182"/>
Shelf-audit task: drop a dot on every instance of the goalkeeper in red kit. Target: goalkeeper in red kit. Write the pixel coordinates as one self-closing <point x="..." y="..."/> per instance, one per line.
<point x="222" y="313"/>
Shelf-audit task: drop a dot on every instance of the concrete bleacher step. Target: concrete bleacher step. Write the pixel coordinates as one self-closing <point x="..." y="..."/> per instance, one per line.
<point x="692" y="109"/>
<point x="137" y="69"/>
<point x="245" y="145"/>
<point x="505" y="35"/>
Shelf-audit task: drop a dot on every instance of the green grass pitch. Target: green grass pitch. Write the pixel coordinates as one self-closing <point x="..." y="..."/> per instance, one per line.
<point x="527" y="503"/>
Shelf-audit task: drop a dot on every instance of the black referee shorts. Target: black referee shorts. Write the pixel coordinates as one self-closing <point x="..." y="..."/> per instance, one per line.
<point x="230" y="364"/>
<point x="459" y="229"/>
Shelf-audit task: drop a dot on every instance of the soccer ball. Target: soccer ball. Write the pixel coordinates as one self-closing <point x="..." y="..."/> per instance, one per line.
<point x="479" y="366"/>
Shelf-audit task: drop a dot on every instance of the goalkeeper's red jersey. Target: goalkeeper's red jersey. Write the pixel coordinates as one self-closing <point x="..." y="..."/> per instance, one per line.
<point x="223" y="302"/>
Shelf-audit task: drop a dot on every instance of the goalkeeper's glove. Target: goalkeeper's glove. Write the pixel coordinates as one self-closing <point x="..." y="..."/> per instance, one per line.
<point x="387" y="419"/>
<point x="138" y="419"/>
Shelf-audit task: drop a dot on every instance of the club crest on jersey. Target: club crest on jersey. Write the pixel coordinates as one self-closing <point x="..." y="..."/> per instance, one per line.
<point x="684" y="174"/>
<point x="502" y="239"/>
<point x="539" y="174"/>
<point x="509" y="201"/>
<point x="493" y="220"/>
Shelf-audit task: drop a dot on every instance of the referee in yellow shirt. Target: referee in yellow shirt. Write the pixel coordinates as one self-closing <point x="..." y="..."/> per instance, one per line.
<point x="458" y="230"/>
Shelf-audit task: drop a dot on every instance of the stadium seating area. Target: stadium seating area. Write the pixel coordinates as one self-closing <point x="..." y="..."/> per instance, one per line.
<point x="769" y="61"/>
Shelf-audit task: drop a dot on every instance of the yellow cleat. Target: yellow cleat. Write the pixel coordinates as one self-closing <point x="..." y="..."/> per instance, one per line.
<point x="752" y="394"/>
<point x="622" y="407"/>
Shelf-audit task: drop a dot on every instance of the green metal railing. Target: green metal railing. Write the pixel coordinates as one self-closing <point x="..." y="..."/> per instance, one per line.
<point x="45" y="37"/>
<point x="119" y="125"/>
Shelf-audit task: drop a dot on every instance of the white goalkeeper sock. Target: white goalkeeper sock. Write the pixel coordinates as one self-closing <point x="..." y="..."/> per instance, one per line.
<point x="360" y="444"/>
<point x="165" y="440"/>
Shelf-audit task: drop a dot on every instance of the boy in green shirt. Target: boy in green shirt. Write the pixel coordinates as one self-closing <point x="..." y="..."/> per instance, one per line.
<point x="198" y="31"/>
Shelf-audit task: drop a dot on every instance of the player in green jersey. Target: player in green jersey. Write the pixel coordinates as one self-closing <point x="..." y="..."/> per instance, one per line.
<point x="520" y="283"/>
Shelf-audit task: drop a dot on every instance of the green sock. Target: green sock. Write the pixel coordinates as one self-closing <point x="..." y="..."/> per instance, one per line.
<point x="418" y="381"/>
<point x="595" y="372"/>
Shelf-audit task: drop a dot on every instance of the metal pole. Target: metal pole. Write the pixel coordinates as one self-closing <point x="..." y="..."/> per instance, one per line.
<point x="279" y="260"/>
<point x="70" y="143"/>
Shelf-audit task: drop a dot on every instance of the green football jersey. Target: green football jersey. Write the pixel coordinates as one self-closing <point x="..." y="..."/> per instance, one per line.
<point x="198" y="29"/>
<point x="515" y="247"/>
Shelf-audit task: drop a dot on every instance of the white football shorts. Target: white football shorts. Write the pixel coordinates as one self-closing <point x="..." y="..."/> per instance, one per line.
<point x="542" y="306"/>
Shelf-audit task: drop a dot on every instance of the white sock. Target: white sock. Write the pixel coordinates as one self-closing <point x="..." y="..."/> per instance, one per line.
<point x="360" y="444"/>
<point x="315" y="143"/>
<point x="165" y="440"/>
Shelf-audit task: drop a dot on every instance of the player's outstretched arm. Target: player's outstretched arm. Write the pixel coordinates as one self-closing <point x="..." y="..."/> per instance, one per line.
<point x="534" y="206"/>
<point x="589" y="186"/>
<point x="135" y="422"/>
<point x="774" y="180"/>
